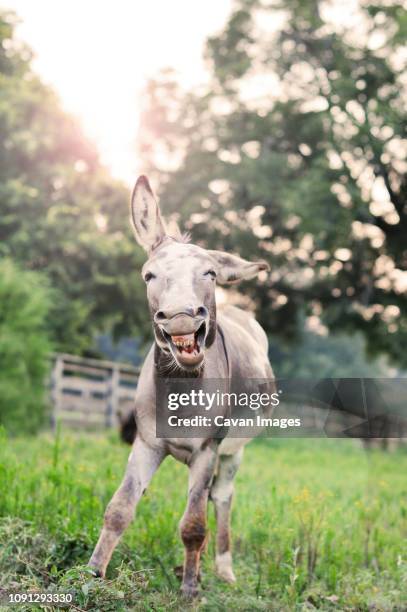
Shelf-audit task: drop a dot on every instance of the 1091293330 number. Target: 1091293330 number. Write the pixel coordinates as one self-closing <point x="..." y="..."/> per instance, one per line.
<point x="37" y="598"/>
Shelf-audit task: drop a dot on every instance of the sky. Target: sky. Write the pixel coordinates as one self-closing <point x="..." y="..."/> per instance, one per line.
<point x="97" y="55"/>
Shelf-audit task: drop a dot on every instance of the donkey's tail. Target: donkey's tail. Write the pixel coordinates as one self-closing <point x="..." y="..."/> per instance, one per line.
<point x="128" y="428"/>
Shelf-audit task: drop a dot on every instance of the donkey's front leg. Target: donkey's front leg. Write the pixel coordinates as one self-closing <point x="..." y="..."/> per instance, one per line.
<point x="143" y="462"/>
<point x="193" y="523"/>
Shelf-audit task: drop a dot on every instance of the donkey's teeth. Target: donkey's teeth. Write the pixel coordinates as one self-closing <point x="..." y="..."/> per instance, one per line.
<point x="184" y="338"/>
<point x="186" y="342"/>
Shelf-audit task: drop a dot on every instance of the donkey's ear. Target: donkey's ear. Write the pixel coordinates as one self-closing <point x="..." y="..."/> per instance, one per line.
<point x="232" y="269"/>
<point x="145" y="215"/>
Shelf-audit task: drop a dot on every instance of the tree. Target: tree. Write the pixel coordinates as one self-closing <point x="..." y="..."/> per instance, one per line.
<point x="24" y="348"/>
<point x="61" y="212"/>
<point x="296" y="152"/>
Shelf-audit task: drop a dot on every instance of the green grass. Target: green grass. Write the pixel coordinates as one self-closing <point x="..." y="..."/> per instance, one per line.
<point x="317" y="524"/>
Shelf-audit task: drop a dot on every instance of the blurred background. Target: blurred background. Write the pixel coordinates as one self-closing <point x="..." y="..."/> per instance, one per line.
<point x="273" y="129"/>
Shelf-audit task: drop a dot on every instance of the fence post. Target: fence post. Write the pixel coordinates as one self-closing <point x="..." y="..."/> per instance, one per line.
<point x="113" y="403"/>
<point x="56" y="378"/>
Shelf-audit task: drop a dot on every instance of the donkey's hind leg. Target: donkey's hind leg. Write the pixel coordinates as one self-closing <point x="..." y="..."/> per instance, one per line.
<point x="143" y="462"/>
<point x="222" y="494"/>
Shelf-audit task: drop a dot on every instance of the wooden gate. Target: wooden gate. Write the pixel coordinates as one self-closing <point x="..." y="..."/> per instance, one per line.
<point x="89" y="393"/>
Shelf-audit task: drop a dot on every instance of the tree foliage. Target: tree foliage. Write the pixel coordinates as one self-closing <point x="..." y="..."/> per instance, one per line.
<point x="296" y="152"/>
<point x="24" y="347"/>
<point x="61" y="212"/>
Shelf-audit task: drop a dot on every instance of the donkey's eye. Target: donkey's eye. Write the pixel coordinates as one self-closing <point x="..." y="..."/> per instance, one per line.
<point x="148" y="276"/>
<point x="210" y="273"/>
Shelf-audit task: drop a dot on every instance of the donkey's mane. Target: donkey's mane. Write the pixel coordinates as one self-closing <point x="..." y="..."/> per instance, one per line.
<point x="183" y="238"/>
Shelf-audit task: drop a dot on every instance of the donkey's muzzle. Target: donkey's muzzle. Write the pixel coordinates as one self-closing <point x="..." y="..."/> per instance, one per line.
<point x="185" y="335"/>
<point x="162" y="317"/>
<point x="181" y="324"/>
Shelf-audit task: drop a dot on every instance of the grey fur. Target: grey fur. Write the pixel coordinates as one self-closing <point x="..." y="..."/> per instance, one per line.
<point x="181" y="294"/>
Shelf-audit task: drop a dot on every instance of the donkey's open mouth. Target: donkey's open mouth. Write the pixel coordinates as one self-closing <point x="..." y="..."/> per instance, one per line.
<point x="187" y="349"/>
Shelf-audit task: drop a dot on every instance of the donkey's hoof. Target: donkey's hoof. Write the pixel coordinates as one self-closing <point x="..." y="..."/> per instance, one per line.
<point x="226" y="573"/>
<point x="190" y="592"/>
<point x="224" y="567"/>
<point x="96" y="572"/>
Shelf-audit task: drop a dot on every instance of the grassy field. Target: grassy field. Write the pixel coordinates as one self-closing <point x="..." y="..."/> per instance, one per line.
<point x="318" y="524"/>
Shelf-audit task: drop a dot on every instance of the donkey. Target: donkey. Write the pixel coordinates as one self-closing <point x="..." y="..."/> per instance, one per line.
<point x="191" y="340"/>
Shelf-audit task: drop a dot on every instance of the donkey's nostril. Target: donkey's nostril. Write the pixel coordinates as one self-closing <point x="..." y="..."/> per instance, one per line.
<point x="189" y="310"/>
<point x="159" y="315"/>
<point x="202" y="311"/>
<point x="162" y="316"/>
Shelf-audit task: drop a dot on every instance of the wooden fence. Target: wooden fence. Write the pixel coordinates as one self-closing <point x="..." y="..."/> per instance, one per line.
<point x="95" y="394"/>
<point x="89" y="393"/>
